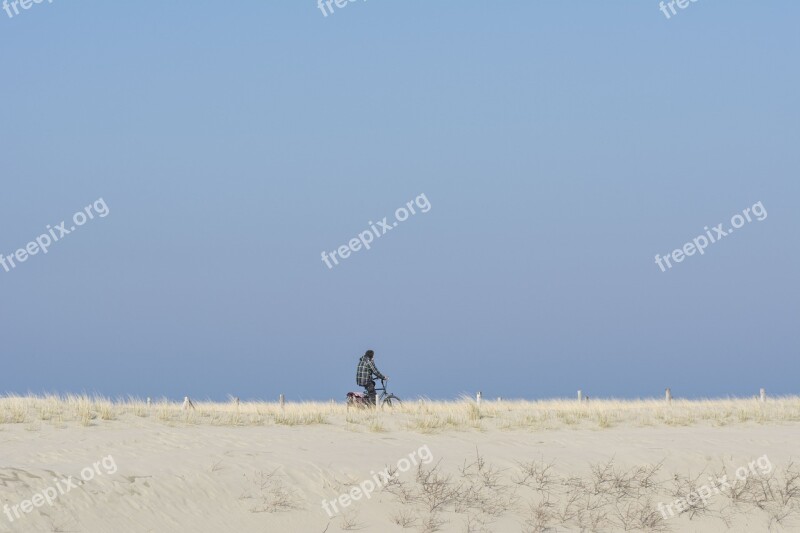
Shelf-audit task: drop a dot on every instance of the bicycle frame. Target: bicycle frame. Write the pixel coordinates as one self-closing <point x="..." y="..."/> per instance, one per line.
<point x="385" y="397"/>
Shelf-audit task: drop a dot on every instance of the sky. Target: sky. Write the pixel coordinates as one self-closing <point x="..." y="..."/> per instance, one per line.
<point x="558" y="147"/>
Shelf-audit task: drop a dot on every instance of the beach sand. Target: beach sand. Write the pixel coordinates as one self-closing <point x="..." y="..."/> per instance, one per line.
<point x="164" y="476"/>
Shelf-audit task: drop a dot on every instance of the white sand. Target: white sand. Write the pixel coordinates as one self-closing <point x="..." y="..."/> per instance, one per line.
<point x="207" y="478"/>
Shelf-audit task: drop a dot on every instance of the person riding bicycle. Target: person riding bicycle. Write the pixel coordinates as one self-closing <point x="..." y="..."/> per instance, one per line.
<point x="364" y="372"/>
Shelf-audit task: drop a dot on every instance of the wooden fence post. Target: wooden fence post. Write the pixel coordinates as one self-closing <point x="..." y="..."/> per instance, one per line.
<point x="668" y="395"/>
<point x="763" y="395"/>
<point x="187" y="403"/>
<point x="282" y="401"/>
<point x="580" y="396"/>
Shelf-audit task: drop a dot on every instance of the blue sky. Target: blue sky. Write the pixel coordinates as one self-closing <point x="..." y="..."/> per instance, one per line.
<point x="561" y="145"/>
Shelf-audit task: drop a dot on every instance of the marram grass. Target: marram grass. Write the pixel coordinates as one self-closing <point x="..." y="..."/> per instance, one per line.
<point x="424" y="416"/>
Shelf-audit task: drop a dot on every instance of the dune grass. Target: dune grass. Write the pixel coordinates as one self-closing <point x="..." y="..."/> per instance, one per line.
<point x="424" y="416"/>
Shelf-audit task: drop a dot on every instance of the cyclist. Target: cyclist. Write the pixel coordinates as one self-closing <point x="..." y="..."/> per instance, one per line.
<point x="364" y="372"/>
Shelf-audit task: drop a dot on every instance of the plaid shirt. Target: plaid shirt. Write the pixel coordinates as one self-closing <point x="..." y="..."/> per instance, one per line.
<point x="366" y="368"/>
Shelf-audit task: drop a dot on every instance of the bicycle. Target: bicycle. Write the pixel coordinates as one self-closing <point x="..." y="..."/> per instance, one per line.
<point x="386" y="399"/>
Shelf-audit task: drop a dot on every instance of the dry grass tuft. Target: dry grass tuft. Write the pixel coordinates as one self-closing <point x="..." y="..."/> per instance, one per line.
<point x="270" y="494"/>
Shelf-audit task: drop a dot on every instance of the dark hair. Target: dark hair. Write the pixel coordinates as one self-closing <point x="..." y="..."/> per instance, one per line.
<point x="370" y="354"/>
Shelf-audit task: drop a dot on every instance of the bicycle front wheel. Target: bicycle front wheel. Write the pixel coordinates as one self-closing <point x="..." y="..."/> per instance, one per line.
<point x="391" y="401"/>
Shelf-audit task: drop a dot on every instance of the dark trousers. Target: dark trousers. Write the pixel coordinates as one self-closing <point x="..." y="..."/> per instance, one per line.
<point x="370" y="387"/>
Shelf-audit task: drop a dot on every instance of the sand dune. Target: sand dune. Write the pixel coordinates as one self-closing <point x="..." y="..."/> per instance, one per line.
<point x="451" y="467"/>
